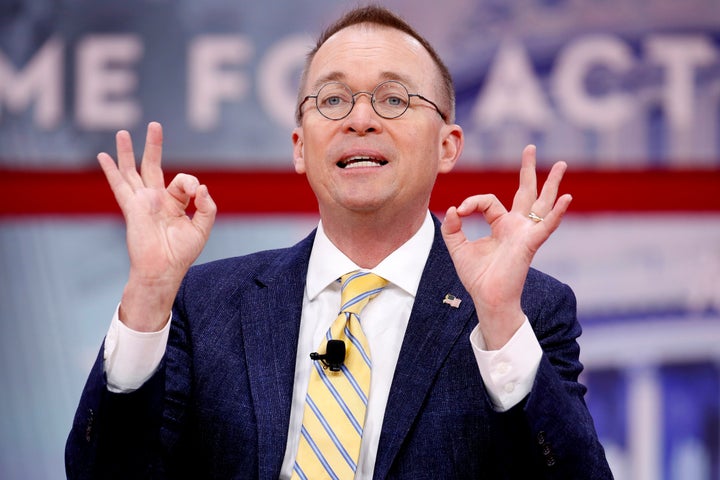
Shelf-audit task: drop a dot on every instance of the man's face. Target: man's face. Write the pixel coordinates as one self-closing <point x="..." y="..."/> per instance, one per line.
<point x="405" y="154"/>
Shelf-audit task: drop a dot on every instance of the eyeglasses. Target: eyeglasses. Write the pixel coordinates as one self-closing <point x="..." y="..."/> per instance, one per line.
<point x="390" y="100"/>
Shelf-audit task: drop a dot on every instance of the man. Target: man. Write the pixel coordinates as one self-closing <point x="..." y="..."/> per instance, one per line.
<point x="473" y="354"/>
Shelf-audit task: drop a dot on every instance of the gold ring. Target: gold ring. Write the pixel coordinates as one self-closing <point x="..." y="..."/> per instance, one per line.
<point x="535" y="217"/>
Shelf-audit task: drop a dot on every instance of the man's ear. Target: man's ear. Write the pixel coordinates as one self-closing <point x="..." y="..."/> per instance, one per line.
<point x="298" y="150"/>
<point x="451" y="147"/>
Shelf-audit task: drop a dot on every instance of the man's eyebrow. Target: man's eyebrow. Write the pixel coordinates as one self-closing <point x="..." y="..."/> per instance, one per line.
<point x="398" y="78"/>
<point x="330" y="77"/>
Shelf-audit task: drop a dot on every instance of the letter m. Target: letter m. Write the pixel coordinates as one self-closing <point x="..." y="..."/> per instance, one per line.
<point x="40" y="80"/>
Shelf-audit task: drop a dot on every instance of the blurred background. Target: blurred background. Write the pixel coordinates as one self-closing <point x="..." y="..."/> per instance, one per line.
<point x="626" y="91"/>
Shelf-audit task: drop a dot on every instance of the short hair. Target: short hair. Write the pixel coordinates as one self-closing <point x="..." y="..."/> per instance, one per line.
<point x="381" y="16"/>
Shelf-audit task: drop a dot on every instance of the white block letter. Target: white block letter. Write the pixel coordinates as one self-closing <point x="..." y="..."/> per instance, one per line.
<point x="606" y="112"/>
<point x="42" y="79"/>
<point x="104" y="84"/>
<point x="512" y="92"/>
<point x="210" y="79"/>
<point x="679" y="56"/>
<point x="278" y="75"/>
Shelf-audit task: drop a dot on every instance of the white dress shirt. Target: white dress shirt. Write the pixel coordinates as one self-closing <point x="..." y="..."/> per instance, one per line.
<point x="132" y="357"/>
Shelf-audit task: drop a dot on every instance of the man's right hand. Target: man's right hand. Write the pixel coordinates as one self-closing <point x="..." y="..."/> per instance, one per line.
<point x="163" y="241"/>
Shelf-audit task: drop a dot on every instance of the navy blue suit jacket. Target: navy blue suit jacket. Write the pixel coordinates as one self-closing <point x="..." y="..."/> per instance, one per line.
<point x="219" y="405"/>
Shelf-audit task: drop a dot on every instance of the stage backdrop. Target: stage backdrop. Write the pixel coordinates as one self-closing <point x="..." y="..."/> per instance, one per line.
<point x="626" y="91"/>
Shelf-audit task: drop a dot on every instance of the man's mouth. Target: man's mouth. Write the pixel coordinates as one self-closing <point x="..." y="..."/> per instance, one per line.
<point x="361" y="161"/>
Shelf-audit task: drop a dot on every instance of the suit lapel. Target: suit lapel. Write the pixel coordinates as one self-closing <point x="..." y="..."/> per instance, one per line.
<point x="434" y="327"/>
<point x="271" y="310"/>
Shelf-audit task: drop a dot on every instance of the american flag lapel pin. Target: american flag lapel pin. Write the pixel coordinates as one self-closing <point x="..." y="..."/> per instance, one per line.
<point x="452" y="300"/>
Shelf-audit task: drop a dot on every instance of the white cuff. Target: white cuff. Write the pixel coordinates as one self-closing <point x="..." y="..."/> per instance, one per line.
<point x="508" y="373"/>
<point x="131" y="357"/>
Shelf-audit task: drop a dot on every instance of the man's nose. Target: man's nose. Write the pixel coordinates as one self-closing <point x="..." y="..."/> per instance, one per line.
<point x="363" y="118"/>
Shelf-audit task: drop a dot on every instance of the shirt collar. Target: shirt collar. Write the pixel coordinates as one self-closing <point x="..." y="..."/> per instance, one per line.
<point x="401" y="267"/>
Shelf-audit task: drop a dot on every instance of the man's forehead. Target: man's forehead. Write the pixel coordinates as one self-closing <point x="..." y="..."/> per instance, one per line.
<point x="367" y="39"/>
<point x="382" y="76"/>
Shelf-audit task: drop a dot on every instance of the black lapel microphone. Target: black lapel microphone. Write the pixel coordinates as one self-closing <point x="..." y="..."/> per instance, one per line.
<point x="334" y="355"/>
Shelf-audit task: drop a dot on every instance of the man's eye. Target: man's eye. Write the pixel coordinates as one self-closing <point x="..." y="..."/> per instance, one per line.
<point x="334" y="101"/>
<point x="393" y="101"/>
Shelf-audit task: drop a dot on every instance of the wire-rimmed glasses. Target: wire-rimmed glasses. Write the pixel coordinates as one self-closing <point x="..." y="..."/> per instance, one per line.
<point x="390" y="99"/>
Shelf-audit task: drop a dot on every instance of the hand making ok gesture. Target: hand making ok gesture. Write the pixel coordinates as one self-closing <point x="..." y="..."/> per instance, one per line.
<point x="162" y="240"/>
<point x="493" y="268"/>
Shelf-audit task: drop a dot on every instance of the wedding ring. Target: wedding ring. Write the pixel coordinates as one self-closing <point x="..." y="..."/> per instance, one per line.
<point x="535" y="217"/>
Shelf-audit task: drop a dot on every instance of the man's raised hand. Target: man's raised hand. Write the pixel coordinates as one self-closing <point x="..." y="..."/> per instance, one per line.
<point x="493" y="268"/>
<point x="163" y="241"/>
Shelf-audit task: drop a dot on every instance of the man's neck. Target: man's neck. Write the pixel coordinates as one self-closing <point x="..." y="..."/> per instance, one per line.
<point x="368" y="239"/>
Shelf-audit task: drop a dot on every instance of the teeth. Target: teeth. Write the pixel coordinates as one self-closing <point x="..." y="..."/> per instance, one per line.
<point x="361" y="162"/>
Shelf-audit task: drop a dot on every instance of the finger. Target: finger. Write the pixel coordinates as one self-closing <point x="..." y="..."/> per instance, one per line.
<point x="527" y="190"/>
<point x="487" y="204"/>
<point x="553" y="218"/>
<point x="182" y="188"/>
<point x="205" y="210"/>
<point x="126" y="159"/>
<point x="150" y="169"/>
<point x="118" y="185"/>
<point x="550" y="189"/>
<point x="541" y="231"/>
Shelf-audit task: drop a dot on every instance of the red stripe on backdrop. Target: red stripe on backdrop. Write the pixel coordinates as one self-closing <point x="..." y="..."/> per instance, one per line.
<point x="86" y="192"/>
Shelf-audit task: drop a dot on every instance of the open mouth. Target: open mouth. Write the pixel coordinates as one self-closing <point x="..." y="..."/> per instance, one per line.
<point x="361" y="161"/>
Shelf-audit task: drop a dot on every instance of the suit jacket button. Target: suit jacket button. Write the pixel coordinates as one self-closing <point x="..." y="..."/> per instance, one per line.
<point x="550" y="461"/>
<point x="541" y="437"/>
<point x="546" y="450"/>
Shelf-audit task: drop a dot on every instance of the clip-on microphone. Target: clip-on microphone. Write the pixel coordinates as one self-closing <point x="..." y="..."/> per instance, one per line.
<point x="334" y="355"/>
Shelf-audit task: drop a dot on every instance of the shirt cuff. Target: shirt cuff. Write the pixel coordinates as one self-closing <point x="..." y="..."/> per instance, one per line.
<point x="132" y="357"/>
<point x="508" y="373"/>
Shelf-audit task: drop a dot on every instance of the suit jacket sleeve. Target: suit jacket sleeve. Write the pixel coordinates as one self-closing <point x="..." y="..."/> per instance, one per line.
<point x="116" y="435"/>
<point x="147" y="433"/>
<point x="554" y="419"/>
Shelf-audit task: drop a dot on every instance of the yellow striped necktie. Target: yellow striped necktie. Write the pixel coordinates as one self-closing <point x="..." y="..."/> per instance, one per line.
<point x="336" y="402"/>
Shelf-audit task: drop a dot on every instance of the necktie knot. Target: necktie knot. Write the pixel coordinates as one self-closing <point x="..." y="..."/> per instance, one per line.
<point x="358" y="288"/>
